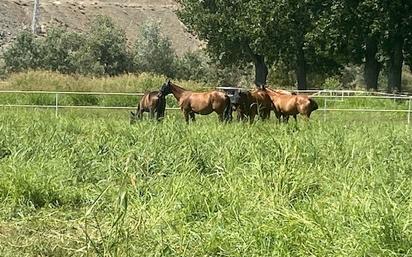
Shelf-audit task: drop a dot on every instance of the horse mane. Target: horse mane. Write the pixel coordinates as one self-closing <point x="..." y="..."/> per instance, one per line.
<point x="179" y="87"/>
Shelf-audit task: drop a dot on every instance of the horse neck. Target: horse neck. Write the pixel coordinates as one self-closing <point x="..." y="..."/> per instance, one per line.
<point x="272" y="92"/>
<point x="177" y="91"/>
<point x="273" y="95"/>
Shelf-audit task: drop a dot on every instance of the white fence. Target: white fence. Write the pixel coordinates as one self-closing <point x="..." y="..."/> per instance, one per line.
<point x="327" y="95"/>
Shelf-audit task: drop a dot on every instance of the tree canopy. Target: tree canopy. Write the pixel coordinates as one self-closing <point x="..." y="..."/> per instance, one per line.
<point x="306" y="36"/>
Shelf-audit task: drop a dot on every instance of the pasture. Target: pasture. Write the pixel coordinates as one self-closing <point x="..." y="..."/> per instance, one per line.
<point x="89" y="184"/>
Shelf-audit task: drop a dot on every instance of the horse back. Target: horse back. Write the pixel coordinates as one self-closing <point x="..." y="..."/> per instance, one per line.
<point x="149" y="100"/>
<point x="262" y="98"/>
<point x="286" y="104"/>
<point x="203" y="102"/>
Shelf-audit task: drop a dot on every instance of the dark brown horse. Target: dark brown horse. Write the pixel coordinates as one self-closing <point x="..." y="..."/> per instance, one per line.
<point x="248" y="104"/>
<point x="286" y="105"/>
<point x="152" y="103"/>
<point x="203" y="103"/>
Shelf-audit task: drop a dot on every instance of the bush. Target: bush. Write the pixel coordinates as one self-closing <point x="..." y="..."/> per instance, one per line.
<point x="332" y="83"/>
<point x="58" y="50"/>
<point x="153" y="52"/>
<point x="23" y="54"/>
<point x="2" y="69"/>
<point x="193" y="66"/>
<point x="105" y="49"/>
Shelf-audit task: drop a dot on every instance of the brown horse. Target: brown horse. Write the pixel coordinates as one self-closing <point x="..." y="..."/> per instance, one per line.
<point x="286" y="105"/>
<point x="250" y="103"/>
<point x="203" y="103"/>
<point x="152" y="103"/>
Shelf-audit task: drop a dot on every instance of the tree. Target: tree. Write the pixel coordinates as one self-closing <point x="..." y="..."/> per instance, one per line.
<point x="233" y="37"/>
<point x="23" y="54"/>
<point x="370" y="32"/>
<point x="352" y="32"/>
<point x="293" y="25"/>
<point x="153" y="52"/>
<point x="398" y="30"/>
<point x="105" y="50"/>
<point x="58" y="50"/>
<point x="193" y="66"/>
<point x="261" y="31"/>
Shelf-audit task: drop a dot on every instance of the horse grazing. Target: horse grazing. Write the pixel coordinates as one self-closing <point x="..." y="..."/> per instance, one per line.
<point x="286" y="105"/>
<point x="152" y="103"/>
<point x="203" y="103"/>
<point x="250" y="103"/>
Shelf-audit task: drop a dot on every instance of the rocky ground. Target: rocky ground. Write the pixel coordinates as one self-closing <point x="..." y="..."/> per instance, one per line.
<point x="15" y="15"/>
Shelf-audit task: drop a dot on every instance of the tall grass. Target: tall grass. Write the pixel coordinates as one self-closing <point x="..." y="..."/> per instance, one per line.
<point x="89" y="184"/>
<point x="51" y="81"/>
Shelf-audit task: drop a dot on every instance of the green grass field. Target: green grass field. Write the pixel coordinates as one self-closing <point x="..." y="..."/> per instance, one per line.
<point x="88" y="184"/>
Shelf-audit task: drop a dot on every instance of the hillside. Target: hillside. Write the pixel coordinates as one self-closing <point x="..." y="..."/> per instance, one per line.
<point x="15" y="15"/>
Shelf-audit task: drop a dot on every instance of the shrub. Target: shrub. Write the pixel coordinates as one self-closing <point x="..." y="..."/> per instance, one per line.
<point x="58" y="50"/>
<point x="153" y="52"/>
<point x="332" y="83"/>
<point x="23" y="54"/>
<point x="105" y="50"/>
<point x="194" y="66"/>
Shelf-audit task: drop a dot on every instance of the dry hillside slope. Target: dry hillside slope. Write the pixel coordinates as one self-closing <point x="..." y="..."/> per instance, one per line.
<point x="15" y="15"/>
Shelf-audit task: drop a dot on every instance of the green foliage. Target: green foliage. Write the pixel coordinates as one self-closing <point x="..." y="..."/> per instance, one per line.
<point x="193" y="66"/>
<point x="2" y="69"/>
<point x="105" y="50"/>
<point x="332" y="83"/>
<point x="101" y="51"/>
<point x="153" y="52"/>
<point x="58" y="50"/>
<point x="229" y="36"/>
<point x="276" y="30"/>
<point x="23" y="54"/>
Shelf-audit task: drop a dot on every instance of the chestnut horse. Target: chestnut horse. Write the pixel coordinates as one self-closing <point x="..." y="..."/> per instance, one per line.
<point x="250" y="103"/>
<point x="152" y="103"/>
<point x="203" y="103"/>
<point x="286" y="105"/>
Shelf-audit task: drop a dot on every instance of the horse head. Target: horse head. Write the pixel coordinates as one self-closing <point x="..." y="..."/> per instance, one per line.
<point x="165" y="89"/>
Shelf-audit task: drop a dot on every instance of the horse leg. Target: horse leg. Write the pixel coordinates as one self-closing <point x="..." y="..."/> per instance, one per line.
<point x="186" y="114"/>
<point x="140" y="114"/>
<point x="278" y="117"/>
<point x="159" y="116"/>
<point x="253" y="112"/>
<point x="266" y="114"/>
<point x="295" y="117"/>
<point x="152" y="113"/>
<point x="220" y="116"/>
<point x="192" y="116"/>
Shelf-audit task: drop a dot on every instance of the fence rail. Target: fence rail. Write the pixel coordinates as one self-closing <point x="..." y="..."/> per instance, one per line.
<point x="323" y="94"/>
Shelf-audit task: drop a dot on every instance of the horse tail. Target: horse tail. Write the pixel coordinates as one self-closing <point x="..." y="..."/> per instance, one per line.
<point x="227" y="112"/>
<point x="313" y="104"/>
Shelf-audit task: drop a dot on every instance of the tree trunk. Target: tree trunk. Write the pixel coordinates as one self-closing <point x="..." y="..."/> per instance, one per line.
<point x="301" y="69"/>
<point x="395" y="65"/>
<point x="372" y="66"/>
<point x="261" y="71"/>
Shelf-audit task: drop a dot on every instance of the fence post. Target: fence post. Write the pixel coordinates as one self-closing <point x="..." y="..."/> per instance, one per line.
<point x="324" y="109"/>
<point x="409" y="110"/>
<point x="57" y="103"/>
